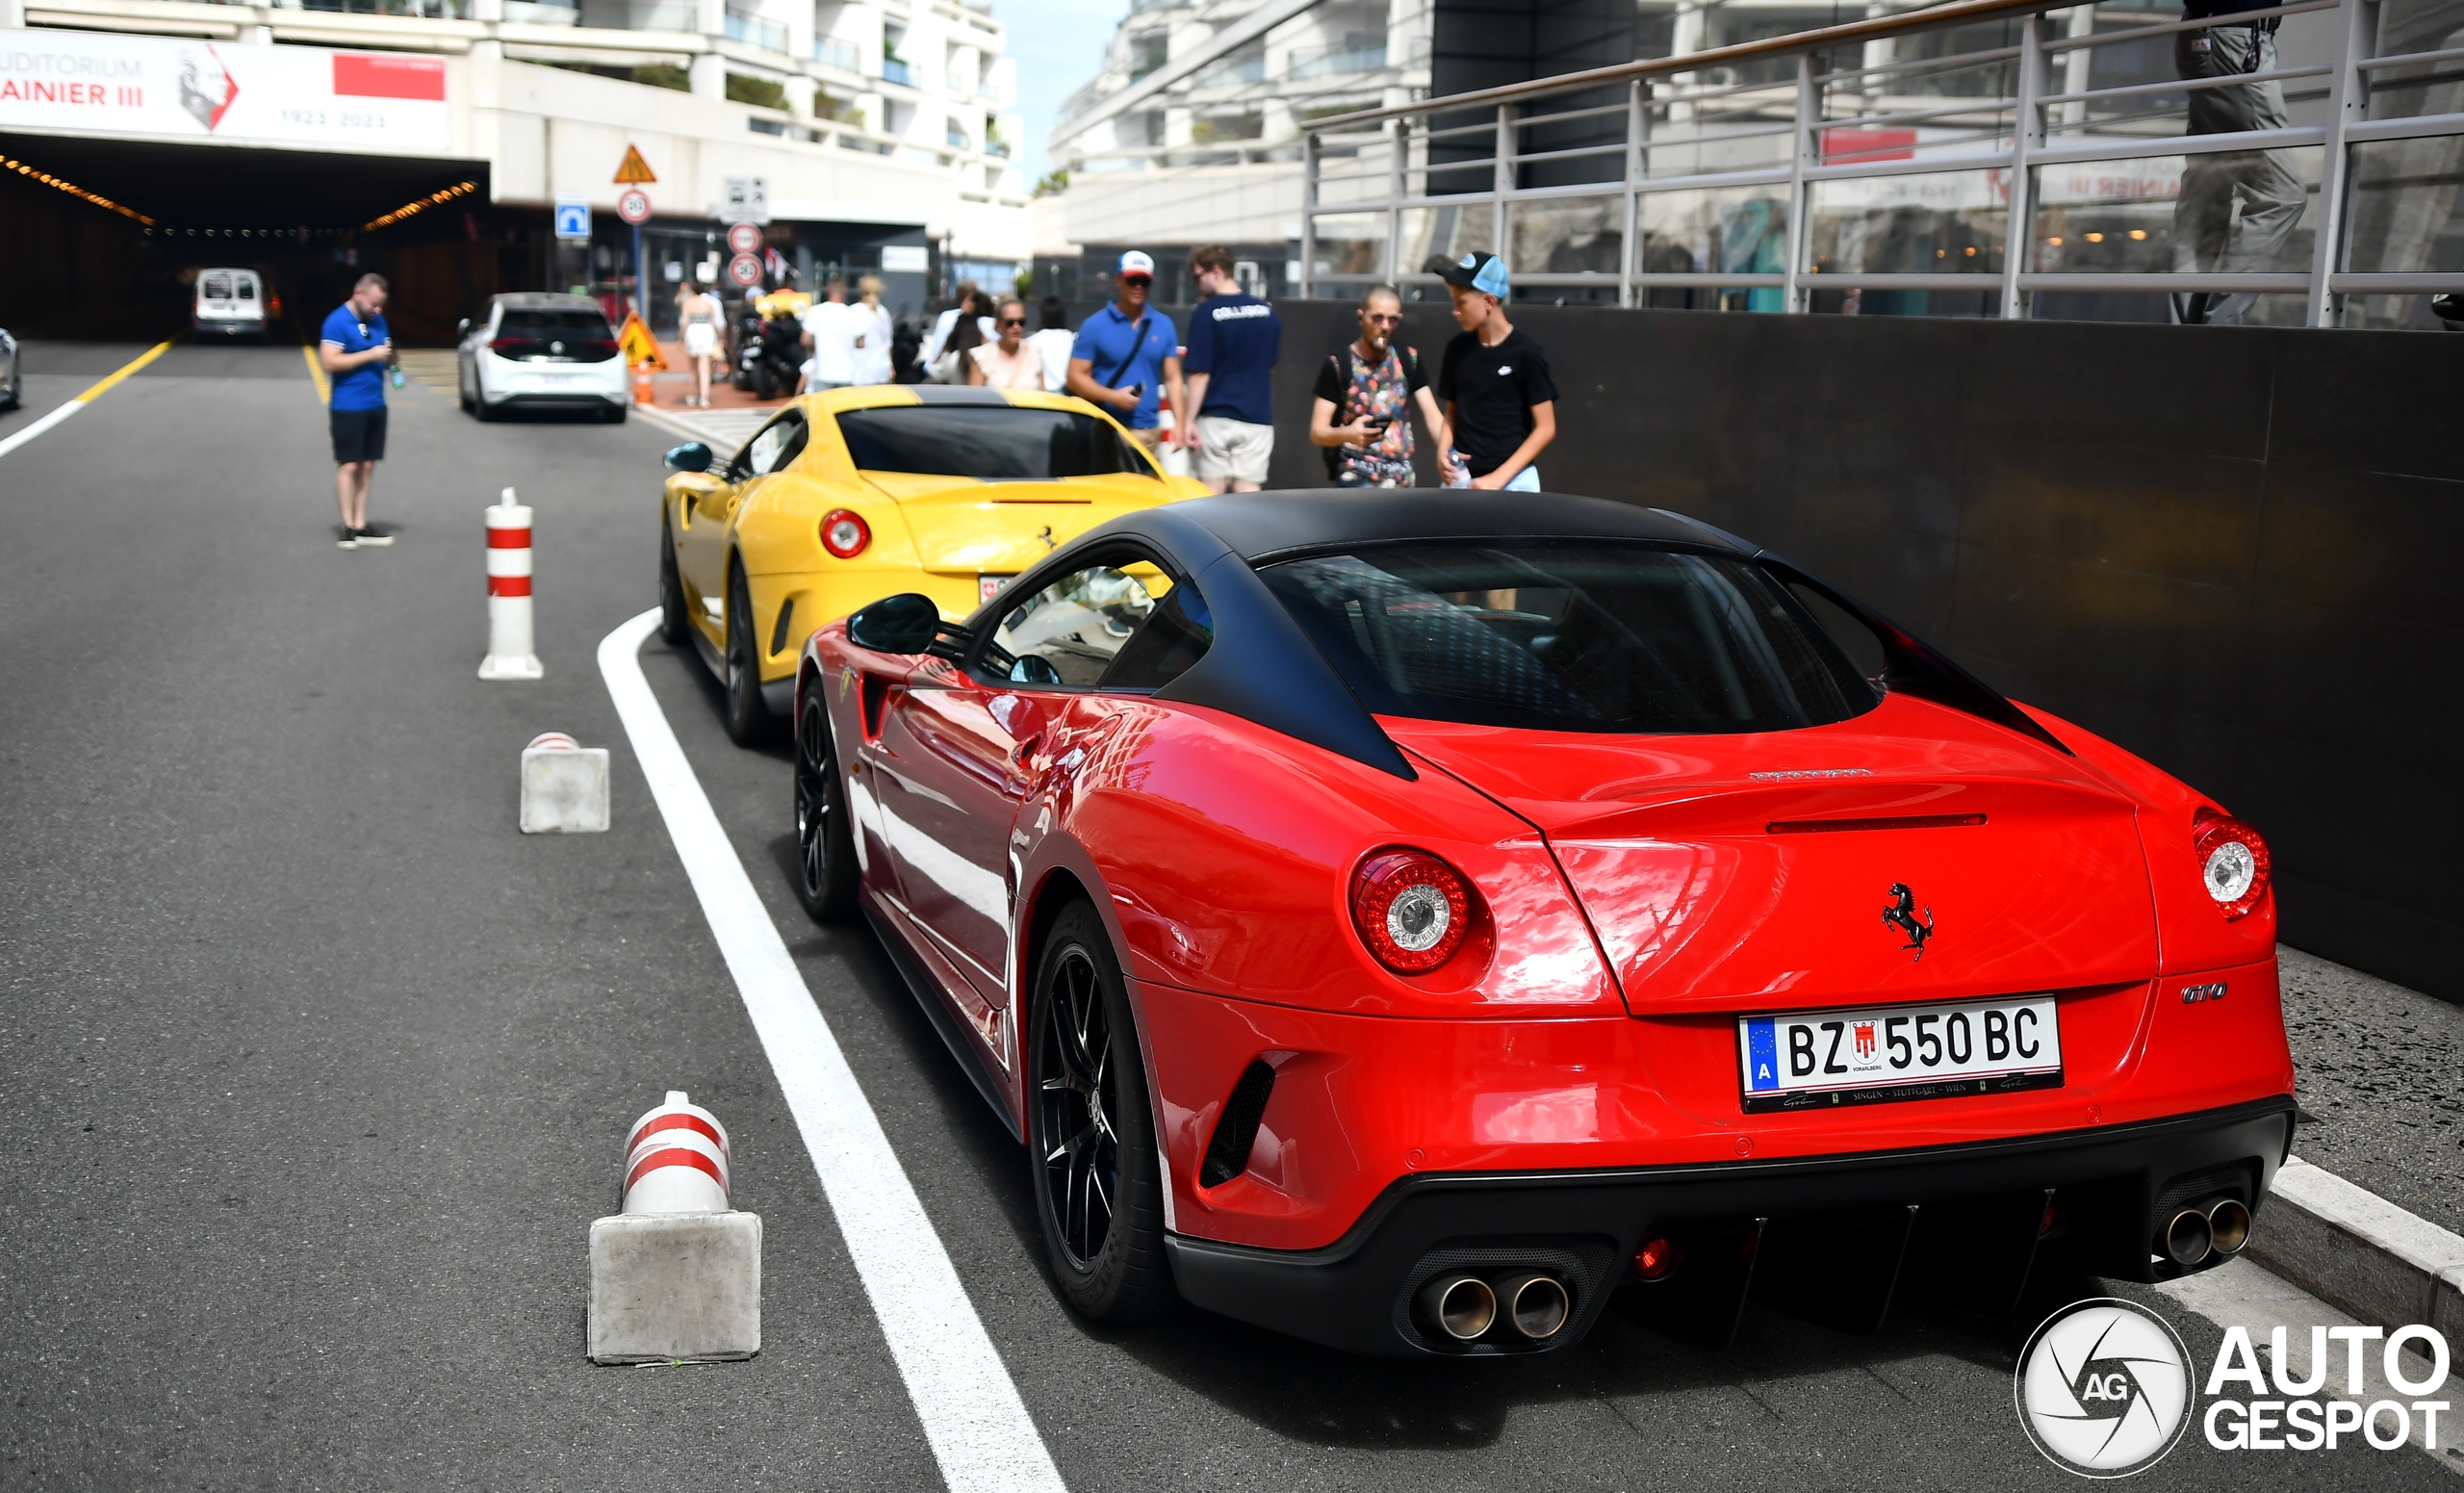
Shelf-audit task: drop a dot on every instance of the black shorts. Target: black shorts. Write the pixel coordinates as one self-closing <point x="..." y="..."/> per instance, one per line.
<point x="359" y="434"/>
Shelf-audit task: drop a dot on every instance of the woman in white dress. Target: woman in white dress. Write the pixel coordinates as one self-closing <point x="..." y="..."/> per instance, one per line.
<point x="870" y="330"/>
<point x="701" y="315"/>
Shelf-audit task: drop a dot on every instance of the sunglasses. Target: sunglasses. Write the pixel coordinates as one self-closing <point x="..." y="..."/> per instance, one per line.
<point x="1375" y="320"/>
<point x="1138" y="279"/>
<point x="1012" y="321"/>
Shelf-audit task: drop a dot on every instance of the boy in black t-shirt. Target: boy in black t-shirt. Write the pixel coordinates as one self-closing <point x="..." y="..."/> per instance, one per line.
<point x="1501" y="403"/>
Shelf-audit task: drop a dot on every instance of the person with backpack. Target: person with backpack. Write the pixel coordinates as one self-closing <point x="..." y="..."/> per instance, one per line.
<point x="1373" y="384"/>
<point x="1128" y="355"/>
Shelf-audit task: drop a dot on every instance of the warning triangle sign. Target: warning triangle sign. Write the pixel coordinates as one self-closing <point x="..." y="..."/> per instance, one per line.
<point x="634" y="171"/>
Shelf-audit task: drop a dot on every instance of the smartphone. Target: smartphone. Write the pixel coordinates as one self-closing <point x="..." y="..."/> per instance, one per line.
<point x="1378" y="421"/>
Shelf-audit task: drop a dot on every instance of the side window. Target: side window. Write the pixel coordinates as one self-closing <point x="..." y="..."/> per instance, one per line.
<point x="1110" y="626"/>
<point x="777" y="443"/>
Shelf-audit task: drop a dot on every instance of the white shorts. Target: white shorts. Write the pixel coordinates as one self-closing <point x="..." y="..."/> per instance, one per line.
<point x="1527" y="480"/>
<point x="1232" y="451"/>
<point x="701" y="340"/>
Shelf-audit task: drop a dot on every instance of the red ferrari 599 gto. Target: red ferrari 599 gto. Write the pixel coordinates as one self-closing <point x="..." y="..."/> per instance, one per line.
<point x="1407" y="920"/>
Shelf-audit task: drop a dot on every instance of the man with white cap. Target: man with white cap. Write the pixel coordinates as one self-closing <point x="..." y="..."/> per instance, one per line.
<point x="1501" y="403"/>
<point x="1128" y="353"/>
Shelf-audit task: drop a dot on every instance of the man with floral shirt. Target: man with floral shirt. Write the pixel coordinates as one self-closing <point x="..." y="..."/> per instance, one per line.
<point x="1372" y="386"/>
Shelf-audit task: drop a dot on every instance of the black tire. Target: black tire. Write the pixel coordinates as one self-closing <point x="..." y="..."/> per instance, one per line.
<point x="615" y="415"/>
<point x="825" y="841"/>
<point x="746" y="718"/>
<point x="1091" y="1137"/>
<point x="484" y="411"/>
<point x="462" y="391"/>
<point x="675" y="627"/>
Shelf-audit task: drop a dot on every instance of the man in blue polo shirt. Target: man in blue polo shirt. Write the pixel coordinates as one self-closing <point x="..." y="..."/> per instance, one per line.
<point x="1128" y="353"/>
<point x="1234" y="338"/>
<point x="353" y="350"/>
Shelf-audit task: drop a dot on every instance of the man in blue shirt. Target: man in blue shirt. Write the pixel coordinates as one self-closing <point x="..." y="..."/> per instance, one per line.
<point x="353" y="350"/>
<point x="1234" y="338"/>
<point x="1128" y="354"/>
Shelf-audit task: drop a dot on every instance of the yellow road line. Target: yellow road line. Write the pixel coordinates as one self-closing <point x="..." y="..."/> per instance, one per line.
<point x="316" y="373"/>
<point x="125" y="369"/>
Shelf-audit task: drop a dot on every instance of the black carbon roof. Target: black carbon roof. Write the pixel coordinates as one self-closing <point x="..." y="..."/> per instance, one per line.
<point x="1255" y="526"/>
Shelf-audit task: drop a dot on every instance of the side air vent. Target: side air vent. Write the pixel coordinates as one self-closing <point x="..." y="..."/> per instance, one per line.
<point x="1227" y="1155"/>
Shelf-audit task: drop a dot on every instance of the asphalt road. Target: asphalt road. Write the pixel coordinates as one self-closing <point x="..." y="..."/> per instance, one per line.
<point x="318" y="1070"/>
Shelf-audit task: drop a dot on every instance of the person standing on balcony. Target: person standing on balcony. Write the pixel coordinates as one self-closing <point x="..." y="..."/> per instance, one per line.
<point x="1501" y="403"/>
<point x="1234" y="341"/>
<point x="2205" y="236"/>
<point x="1128" y="355"/>
<point x="1374" y="384"/>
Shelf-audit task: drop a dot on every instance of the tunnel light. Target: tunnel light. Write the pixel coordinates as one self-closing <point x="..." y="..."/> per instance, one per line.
<point x="74" y="191"/>
<point x="420" y="205"/>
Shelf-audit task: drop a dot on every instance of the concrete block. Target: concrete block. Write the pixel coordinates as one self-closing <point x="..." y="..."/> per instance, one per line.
<point x="669" y="1286"/>
<point x="564" y="790"/>
<point x="2354" y="1248"/>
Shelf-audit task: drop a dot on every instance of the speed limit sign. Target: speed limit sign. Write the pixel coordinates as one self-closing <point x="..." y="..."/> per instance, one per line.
<point x="745" y="271"/>
<point x="633" y="205"/>
<point x="744" y="238"/>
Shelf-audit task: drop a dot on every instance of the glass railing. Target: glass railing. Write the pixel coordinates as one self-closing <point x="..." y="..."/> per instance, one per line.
<point x="1334" y="62"/>
<point x="834" y="53"/>
<point x="752" y="31"/>
<point x="2301" y="165"/>
<point x="896" y="70"/>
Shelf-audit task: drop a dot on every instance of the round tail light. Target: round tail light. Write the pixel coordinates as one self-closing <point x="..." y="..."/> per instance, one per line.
<point x="1411" y="909"/>
<point x="2232" y="862"/>
<point x="843" y="533"/>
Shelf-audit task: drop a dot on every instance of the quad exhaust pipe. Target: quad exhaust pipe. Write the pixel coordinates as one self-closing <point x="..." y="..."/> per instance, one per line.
<point x="1527" y="1306"/>
<point x="2218" y="1227"/>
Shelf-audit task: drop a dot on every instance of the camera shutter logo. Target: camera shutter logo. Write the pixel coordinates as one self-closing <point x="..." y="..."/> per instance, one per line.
<point x="2103" y="1388"/>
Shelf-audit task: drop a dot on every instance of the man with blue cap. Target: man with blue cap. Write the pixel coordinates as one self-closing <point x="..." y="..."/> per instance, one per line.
<point x="1128" y="354"/>
<point x="1501" y="403"/>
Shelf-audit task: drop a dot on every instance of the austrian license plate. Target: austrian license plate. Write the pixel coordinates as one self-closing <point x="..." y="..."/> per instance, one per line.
<point x="1818" y="1059"/>
<point x="986" y="588"/>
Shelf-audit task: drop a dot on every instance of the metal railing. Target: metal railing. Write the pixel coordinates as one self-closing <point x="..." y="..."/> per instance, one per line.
<point x="2267" y="165"/>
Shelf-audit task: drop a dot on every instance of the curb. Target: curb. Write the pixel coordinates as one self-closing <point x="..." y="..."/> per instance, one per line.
<point x="2355" y="1249"/>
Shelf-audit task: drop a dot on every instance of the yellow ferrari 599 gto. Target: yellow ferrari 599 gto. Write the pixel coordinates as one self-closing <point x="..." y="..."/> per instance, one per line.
<point x="851" y="495"/>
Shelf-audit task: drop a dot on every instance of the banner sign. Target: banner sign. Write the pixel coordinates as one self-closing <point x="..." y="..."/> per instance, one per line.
<point x="174" y="89"/>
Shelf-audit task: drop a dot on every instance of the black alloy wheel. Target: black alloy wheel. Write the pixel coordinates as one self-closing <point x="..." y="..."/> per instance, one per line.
<point x="825" y="841"/>
<point x="1091" y="1137"/>
<point x="746" y="716"/>
<point x="673" y="625"/>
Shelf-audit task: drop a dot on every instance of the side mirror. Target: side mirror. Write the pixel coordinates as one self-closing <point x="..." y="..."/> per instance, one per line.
<point x="907" y="623"/>
<point x="691" y="456"/>
<point x="464" y="330"/>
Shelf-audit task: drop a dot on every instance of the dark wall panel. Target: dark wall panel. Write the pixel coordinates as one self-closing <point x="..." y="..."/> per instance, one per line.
<point x="2229" y="550"/>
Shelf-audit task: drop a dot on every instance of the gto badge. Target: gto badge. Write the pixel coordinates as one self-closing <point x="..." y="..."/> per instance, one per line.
<point x="1902" y="915"/>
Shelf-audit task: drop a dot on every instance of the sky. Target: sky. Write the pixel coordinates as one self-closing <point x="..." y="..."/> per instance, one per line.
<point x="1059" y="45"/>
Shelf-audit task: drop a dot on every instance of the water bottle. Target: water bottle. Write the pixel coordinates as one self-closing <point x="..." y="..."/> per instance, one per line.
<point x="395" y="376"/>
<point x="1462" y="476"/>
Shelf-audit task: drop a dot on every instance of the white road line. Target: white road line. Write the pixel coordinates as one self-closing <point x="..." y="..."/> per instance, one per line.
<point x="979" y="1428"/>
<point x="13" y="442"/>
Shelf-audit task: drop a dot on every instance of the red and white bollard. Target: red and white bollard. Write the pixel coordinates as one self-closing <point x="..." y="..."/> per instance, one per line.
<point x="676" y="1160"/>
<point x="676" y="1275"/>
<point x="512" y="655"/>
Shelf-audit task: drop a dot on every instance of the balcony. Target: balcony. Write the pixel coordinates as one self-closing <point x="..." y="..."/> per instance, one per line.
<point x="752" y="31"/>
<point x="1337" y="61"/>
<point x="834" y="53"/>
<point x="894" y="69"/>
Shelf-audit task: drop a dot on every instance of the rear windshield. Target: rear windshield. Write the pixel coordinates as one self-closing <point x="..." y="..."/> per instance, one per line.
<point x="581" y="323"/>
<point x="1595" y="636"/>
<point x="993" y="442"/>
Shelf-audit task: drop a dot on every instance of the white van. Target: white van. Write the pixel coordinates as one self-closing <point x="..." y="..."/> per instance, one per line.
<point x="229" y="303"/>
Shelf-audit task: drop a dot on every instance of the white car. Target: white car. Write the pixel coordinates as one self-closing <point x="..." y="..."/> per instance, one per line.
<point x="229" y="303"/>
<point x="537" y="350"/>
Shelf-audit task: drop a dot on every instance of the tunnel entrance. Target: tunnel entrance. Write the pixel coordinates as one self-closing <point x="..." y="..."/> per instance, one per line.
<point x="107" y="237"/>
